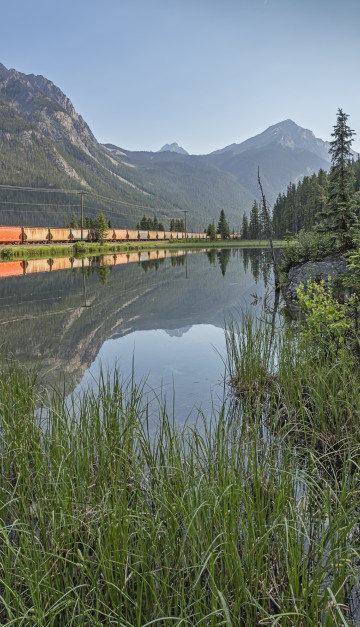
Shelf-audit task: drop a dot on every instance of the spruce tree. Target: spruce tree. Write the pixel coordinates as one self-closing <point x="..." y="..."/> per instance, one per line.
<point x="223" y="227"/>
<point x="211" y="231"/>
<point x="245" y="227"/>
<point x="339" y="215"/>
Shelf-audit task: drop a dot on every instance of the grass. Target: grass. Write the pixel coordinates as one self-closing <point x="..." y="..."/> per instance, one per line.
<point x="110" y="516"/>
<point x="96" y="248"/>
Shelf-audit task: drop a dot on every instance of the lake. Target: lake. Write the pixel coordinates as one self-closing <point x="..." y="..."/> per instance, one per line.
<point x="160" y="320"/>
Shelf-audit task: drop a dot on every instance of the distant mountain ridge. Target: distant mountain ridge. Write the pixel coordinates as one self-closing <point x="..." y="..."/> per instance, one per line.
<point x="45" y="143"/>
<point x="287" y="134"/>
<point x="284" y="153"/>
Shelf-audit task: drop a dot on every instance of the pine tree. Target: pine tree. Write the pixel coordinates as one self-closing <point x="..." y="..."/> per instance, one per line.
<point x="73" y="222"/>
<point x="100" y="227"/>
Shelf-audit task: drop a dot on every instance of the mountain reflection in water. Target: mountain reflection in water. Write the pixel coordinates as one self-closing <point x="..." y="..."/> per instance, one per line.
<point x="167" y="312"/>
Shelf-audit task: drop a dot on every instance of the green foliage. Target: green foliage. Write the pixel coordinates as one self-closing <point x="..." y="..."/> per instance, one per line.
<point x="223" y="227"/>
<point x="229" y="522"/>
<point x="177" y="226"/>
<point x="309" y="246"/>
<point x="299" y="206"/>
<point x="103" y="273"/>
<point x="339" y="214"/>
<point x="328" y="323"/>
<point x="245" y="227"/>
<point x="100" y="227"/>
<point x="211" y="231"/>
<point x="7" y="253"/>
<point x="150" y="224"/>
<point x="256" y="227"/>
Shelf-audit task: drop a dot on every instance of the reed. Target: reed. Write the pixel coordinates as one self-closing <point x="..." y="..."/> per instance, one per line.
<point x="112" y="516"/>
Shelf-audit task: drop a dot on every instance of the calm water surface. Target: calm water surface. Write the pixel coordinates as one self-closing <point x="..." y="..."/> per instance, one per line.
<point x="159" y="321"/>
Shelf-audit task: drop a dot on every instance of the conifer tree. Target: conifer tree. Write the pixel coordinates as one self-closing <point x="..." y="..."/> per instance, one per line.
<point x="223" y="227"/>
<point x="245" y="227"/>
<point x="211" y="231"/>
<point x="254" y="222"/>
<point x="100" y="227"/>
<point x="339" y="216"/>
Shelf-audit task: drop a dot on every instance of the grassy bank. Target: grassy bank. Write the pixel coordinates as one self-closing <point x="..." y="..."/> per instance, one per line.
<point x="95" y="248"/>
<point x="251" y="518"/>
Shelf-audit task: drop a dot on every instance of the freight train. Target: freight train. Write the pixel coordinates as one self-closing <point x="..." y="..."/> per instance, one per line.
<point x="10" y="235"/>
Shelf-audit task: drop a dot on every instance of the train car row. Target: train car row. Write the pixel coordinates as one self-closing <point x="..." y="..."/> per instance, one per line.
<point x="38" y="235"/>
<point x="31" y="266"/>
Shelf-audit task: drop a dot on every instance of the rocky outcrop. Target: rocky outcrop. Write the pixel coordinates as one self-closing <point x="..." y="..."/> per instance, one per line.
<point x="38" y="100"/>
<point x="332" y="265"/>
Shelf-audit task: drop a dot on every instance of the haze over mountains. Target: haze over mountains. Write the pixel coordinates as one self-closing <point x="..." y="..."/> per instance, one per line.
<point x="45" y="143"/>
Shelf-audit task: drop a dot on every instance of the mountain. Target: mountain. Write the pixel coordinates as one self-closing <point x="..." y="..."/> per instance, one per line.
<point x="45" y="144"/>
<point x="284" y="152"/>
<point x="286" y="134"/>
<point x="174" y="147"/>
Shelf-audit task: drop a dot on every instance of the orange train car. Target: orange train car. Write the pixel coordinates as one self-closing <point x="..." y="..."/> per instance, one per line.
<point x="11" y="235"/>
<point x="11" y="268"/>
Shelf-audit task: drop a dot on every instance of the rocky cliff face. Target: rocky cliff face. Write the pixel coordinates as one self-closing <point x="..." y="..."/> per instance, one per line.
<point x="40" y="101"/>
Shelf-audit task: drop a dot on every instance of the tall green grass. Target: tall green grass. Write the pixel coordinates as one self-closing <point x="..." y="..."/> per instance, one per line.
<point x="109" y="516"/>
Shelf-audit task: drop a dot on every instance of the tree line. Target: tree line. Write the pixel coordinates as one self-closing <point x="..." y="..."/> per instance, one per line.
<point x="323" y="200"/>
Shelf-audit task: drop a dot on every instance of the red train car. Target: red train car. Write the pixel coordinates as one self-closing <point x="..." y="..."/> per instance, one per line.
<point x="11" y="268"/>
<point x="11" y="235"/>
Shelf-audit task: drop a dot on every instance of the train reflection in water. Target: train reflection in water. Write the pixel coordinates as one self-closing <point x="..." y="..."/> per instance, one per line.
<point x="31" y="266"/>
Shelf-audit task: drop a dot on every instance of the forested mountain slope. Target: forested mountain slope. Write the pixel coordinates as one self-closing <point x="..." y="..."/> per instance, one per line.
<point x="45" y="144"/>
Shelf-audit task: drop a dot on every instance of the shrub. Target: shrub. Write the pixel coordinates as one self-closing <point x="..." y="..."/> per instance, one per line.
<point x="309" y="246"/>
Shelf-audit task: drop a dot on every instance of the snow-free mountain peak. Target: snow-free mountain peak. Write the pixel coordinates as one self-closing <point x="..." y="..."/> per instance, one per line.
<point x="174" y="147"/>
<point x="286" y="134"/>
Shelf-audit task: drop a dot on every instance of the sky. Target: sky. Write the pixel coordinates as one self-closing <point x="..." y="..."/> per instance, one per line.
<point x="202" y="73"/>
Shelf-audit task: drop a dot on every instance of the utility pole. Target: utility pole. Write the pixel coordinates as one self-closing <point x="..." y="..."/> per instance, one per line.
<point x="264" y="212"/>
<point x="185" y="211"/>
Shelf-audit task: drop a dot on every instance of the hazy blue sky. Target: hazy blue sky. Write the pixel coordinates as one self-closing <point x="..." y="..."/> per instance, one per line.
<point x="203" y="73"/>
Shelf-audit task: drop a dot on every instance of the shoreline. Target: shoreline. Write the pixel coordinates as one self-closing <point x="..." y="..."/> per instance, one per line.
<point x="93" y="249"/>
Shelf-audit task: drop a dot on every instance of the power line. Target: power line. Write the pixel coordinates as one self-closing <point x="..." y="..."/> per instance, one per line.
<point x="37" y="204"/>
<point x="78" y="192"/>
